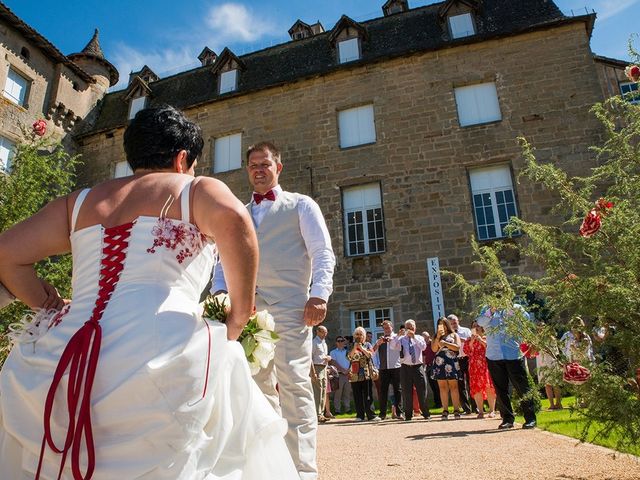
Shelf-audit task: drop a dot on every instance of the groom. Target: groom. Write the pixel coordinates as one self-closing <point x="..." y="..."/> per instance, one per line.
<point x="295" y="251"/>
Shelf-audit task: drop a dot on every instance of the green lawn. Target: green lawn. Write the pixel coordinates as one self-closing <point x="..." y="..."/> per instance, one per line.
<point x="568" y="422"/>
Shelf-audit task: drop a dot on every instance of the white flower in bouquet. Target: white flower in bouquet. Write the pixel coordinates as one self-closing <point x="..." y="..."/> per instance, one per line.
<point x="264" y="353"/>
<point x="258" y="337"/>
<point x="265" y="320"/>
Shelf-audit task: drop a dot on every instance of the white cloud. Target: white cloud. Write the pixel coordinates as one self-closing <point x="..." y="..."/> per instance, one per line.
<point x="222" y="25"/>
<point x="233" y="22"/>
<point x="163" y="62"/>
<point x="610" y="8"/>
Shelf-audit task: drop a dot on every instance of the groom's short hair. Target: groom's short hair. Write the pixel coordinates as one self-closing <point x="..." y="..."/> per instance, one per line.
<point x="265" y="147"/>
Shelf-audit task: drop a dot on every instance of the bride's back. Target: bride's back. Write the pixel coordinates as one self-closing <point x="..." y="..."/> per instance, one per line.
<point x="122" y="200"/>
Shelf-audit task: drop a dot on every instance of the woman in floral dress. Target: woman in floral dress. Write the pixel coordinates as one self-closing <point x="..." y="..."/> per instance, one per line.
<point x="481" y="385"/>
<point x="446" y="369"/>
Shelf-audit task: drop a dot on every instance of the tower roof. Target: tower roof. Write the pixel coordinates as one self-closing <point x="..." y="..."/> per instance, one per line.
<point x="93" y="51"/>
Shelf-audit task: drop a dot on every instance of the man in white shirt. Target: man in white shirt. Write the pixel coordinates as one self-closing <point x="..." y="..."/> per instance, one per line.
<point x="463" y="384"/>
<point x="341" y="396"/>
<point x="389" y="370"/>
<point x="320" y="358"/>
<point x="412" y="369"/>
<point x="295" y="252"/>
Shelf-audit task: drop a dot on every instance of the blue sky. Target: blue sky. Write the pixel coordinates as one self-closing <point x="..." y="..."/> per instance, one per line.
<point x="168" y="35"/>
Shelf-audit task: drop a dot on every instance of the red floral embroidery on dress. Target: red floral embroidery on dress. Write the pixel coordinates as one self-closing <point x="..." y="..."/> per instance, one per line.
<point x="172" y="235"/>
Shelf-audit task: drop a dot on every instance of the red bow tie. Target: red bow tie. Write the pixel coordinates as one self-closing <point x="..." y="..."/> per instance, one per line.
<point x="270" y="195"/>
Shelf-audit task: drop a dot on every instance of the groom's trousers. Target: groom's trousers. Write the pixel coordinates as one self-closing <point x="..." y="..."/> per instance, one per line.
<point x="289" y="370"/>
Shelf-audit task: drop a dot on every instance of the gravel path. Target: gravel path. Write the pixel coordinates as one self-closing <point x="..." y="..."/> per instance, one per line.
<point x="394" y="450"/>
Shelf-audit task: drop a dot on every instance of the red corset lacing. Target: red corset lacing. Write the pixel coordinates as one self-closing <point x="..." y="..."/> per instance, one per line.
<point x="80" y="358"/>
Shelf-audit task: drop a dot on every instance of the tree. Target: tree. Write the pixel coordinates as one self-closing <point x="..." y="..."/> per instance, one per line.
<point x="590" y="267"/>
<point x="41" y="170"/>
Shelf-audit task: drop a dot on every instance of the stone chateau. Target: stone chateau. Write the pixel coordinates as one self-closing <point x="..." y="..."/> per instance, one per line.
<point x="403" y="128"/>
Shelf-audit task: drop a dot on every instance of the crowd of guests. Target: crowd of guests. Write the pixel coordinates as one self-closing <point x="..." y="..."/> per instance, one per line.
<point x="475" y="370"/>
<point x="398" y="369"/>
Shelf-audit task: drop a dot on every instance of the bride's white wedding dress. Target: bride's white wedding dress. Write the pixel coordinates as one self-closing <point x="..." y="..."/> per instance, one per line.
<point x="171" y="398"/>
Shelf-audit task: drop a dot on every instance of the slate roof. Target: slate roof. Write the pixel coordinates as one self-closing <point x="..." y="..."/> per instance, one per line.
<point x="416" y="30"/>
<point x="6" y="15"/>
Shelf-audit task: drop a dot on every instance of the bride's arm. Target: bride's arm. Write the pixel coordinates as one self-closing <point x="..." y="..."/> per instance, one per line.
<point x="40" y="236"/>
<point x="220" y="215"/>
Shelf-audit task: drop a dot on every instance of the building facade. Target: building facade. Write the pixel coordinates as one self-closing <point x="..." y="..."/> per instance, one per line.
<point x="403" y="128"/>
<point x="38" y="81"/>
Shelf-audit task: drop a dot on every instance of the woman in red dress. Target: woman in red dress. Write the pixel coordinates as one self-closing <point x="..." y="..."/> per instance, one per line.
<point x="481" y="385"/>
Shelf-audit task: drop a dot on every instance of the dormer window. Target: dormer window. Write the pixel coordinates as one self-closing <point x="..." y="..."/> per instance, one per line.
<point x="461" y="25"/>
<point x="137" y="104"/>
<point x="228" y="81"/>
<point x="349" y="50"/>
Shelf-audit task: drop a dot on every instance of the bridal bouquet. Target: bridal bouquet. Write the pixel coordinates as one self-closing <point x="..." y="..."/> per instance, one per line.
<point x="258" y="337"/>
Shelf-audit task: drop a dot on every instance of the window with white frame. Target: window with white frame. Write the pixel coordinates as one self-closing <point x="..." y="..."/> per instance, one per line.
<point x="356" y="126"/>
<point x="136" y="105"/>
<point x="228" y="81"/>
<point x="349" y="50"/>
<point x="494" y="201"/>
<point x="477" y="104"/>
<point x="371" y="320"/>
<point x="7" y="150"/>
<point x="227" y="154"/>
<point x="629" y="90"/>
<point x="363" y="219"/>
<point x="15" y="88"/>
<point x="122" y="170"/>
<point x="461" y="25"/>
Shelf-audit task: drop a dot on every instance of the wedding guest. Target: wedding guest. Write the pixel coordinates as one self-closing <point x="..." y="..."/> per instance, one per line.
<point x="428" y="356"/>
<point x="577" y="345"/>
<point x="121" y="380"/>
<point x="464" y="334"/>
<point x="342" y="395"/>
<point x="545" y="364"/>
<point x="389" y="371"/>
<point x="411" y="347"/>
<point x="506" y="364"/>
<point x="291" y="231"/>
<point x="480" y="383"/>
<point x="375" y="383"/>
<point x="446" y="369"/>
<point x="333" y="380"/>
<point x="360" y="372"/>
<point x="320" y="358"/>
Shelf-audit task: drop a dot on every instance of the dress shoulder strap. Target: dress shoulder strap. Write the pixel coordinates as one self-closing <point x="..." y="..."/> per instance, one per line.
<point x="76" y="207"/>
<point x="184" y="201"/>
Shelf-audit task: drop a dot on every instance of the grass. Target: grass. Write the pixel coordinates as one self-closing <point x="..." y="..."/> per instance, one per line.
<point x="568" y="422"/>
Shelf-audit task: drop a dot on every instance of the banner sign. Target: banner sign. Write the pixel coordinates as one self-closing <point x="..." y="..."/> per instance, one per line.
<point x="435" y="285"/>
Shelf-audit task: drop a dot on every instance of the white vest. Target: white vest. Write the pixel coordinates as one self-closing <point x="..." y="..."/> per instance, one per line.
<point x="285" y="266"/>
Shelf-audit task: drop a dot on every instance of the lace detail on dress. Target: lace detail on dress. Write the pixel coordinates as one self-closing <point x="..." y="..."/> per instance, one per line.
<point x="172" y="235"/>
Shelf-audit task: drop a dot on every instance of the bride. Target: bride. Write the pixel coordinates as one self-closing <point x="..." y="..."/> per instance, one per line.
<point x="128" y="381"/>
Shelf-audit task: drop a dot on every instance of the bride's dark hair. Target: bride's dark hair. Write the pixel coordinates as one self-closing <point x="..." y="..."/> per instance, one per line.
<point x="156" y="135"/>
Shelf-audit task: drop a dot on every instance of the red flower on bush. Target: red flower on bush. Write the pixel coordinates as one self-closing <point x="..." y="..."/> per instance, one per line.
<point x="529" y="351"/>
<point x="575" y="374"/>
<point x="593" y="221"/>
<point x="40" y="127"/>
<point x="633" y="73"/>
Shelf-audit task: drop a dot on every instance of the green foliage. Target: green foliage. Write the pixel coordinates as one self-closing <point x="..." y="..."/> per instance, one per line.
<point x="596" y="277"/>
<point x="41" y="171"/>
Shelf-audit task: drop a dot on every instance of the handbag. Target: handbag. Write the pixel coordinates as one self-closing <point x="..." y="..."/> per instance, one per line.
<point x="375" y="374"/>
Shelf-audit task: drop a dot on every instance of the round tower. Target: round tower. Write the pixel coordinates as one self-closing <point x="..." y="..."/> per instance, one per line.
<point x="91" y="60"/>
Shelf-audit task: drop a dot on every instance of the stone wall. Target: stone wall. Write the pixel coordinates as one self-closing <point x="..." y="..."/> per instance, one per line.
<point x="546" y="83"/>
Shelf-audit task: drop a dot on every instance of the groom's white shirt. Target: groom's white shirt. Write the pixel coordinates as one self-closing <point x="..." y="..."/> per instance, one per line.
<point x="316" y="238"/>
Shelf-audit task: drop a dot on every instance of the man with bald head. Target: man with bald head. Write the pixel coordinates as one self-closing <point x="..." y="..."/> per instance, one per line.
<point x="320" y="359"/>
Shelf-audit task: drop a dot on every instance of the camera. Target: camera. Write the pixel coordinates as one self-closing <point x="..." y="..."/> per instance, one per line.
<point x="386" y="339"/>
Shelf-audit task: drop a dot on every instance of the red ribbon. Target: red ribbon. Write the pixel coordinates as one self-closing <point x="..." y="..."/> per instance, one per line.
<point x="80" y="357"/>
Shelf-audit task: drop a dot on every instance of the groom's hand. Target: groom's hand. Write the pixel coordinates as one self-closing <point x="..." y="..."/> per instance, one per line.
<point x="314" y="311"/>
